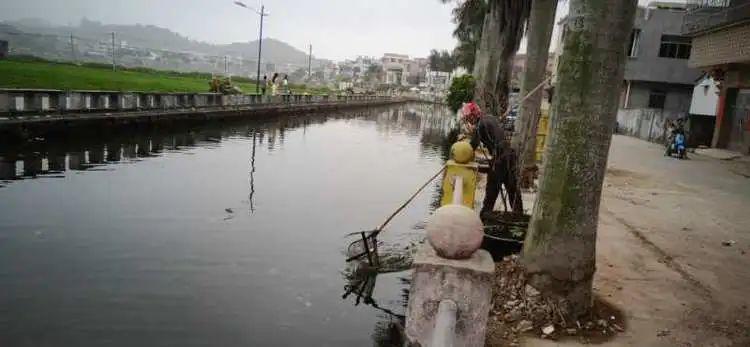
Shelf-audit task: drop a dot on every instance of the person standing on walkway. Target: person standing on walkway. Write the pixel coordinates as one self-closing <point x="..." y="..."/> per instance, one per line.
<point x="274" y="84"/>
<point x="488" y="131"/>
<point x="285" y="83"/>
<point x="264" y="85"/>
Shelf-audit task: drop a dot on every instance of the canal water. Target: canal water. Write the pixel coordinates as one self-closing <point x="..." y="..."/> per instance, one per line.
<point x="213" y="234"/>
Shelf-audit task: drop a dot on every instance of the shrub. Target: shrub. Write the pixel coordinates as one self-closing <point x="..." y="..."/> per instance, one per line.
<point x="461" y="91"/>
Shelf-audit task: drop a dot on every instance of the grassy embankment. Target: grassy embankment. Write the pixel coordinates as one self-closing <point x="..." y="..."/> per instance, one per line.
<point x="32" y="73"/>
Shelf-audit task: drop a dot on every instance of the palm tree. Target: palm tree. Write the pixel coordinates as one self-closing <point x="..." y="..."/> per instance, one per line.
<point x="559" y="251"/>
<point x="469" y="19"/>
<point x="502" y="31"/>
<point x="541" y="23"/>
<point x="489" y="33"/>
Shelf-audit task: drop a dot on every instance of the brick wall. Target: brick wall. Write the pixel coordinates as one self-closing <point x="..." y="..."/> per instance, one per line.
<point x="730" y="45"/>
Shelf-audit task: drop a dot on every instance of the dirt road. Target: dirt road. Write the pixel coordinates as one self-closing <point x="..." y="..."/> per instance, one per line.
<point x="673" y="248"/>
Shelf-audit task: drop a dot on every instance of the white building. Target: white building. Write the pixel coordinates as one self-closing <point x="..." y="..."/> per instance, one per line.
<point x="705" y="97"/>
<point x="395" y="68"/>
<point x="438" y="81"/>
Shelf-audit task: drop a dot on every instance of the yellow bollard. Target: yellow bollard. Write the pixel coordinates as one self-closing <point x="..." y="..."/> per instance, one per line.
<point x="541" y="134"/>
<point x="462" y="165"/>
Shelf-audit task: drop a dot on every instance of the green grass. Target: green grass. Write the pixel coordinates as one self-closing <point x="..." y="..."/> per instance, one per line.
<point x="33" y="73"/>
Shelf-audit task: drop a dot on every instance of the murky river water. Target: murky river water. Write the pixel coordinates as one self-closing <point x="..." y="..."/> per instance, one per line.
<point x="219" y="234"/>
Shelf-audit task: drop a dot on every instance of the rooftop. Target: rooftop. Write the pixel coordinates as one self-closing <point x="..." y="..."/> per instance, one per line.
<point x="707" y="15"/>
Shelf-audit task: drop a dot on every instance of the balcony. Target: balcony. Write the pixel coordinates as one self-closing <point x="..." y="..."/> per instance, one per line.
<point x="703" y="15"/>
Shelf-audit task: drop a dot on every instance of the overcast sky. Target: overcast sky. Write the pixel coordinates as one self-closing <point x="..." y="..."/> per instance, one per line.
<point x="337" y="29"/>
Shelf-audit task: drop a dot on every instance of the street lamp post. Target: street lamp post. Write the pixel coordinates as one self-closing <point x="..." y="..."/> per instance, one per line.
<point x="262" y="13"/>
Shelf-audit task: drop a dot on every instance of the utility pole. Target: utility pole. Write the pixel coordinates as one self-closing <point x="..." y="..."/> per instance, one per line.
<point x="226" y="69"/>
<point x="262" y="13"/>
<point x="114" y="62"/>
<point x="72" y="49"/>
<point x="309" y="63"/>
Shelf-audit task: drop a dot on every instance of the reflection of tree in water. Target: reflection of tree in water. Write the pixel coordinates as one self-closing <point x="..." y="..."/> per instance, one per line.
<point x="360" y="284"/>
<point x="389" y="330"/>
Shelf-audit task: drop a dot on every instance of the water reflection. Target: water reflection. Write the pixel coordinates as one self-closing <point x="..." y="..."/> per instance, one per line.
<point x="360" y="283"/>
<point x="44" y="158"/>
<point x="124" y="234"/>
<point x="251" y="197"/>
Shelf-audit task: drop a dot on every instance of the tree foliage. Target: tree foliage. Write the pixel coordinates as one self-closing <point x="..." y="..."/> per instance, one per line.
<point x="469" y="19"/>
<point x="460" y="91"/>
<point x="442" y="61"/>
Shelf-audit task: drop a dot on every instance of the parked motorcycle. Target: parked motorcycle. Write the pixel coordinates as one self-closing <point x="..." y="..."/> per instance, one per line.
<point x="676" y="145"/>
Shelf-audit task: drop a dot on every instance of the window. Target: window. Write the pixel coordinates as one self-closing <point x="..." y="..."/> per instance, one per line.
<point x="656" y="99"/>
<point x="673" y="46"/>
<point x="635" y="39"/>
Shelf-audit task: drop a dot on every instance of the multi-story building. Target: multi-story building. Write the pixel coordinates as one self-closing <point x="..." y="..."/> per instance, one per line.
<point x="658" y="82"/>
<point x="395" y="67"/>
<point x="657" y="75"/>
<point x="720" y="32"/>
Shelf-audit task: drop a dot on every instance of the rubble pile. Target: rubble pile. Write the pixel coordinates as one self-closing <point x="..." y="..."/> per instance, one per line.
<point x="518" y="308"/>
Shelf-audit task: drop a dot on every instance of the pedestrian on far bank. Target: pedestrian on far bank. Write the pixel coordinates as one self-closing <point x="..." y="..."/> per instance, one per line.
<point x="274" y="84"/>
<point x="285" y="83"/>
<point x="264" y="85"/>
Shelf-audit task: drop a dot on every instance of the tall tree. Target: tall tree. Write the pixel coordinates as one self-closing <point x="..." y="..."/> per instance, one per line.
<point x="559" y="252"/>
<point x="441" y="61"/>
<point x="541" y="23"/>
<point x="469" y="19"/>
<point x="502" y="32"/>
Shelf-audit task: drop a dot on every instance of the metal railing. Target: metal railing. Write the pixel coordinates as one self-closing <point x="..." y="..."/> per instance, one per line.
<point x="703" y="15"/>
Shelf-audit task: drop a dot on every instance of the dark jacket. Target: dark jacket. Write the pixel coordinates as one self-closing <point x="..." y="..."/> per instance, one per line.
<point x="490" y="132"/>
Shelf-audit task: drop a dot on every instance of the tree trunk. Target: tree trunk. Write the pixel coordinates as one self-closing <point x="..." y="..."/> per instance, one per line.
<point x="541" y="23"/>
<point x="559" y="252"/>
<point x="501" y="36"/>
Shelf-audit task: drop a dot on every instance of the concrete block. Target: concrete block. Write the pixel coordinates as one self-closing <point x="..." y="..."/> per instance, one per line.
<point x="7" y="168"/>
<point x="19" y="103"/>
<point x="200" y="101"/>
<point x="466" y="282"/>
<point x="104" y="101"/>
<point x="4" y="102"/>
<point x="127" y="101"/>
<point x="69" y="102"/>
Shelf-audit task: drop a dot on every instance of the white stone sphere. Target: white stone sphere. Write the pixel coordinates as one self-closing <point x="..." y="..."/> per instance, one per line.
<point x="455" y="231"/>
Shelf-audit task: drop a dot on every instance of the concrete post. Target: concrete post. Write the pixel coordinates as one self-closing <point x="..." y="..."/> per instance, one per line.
<point x="451" y="291"/>
<point x="462" y="165"/>
<point x="466" y="282"/>
<point x="445" y="325"/>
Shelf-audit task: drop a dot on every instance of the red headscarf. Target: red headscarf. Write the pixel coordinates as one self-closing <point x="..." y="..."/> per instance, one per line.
<point x="471" y="112"/>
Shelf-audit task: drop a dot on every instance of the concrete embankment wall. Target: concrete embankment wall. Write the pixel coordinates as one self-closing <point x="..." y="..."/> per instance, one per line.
<point x="25" y="113"/>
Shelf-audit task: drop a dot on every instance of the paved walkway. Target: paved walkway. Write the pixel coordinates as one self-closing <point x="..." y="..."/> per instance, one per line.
<point x="673" y="248"/>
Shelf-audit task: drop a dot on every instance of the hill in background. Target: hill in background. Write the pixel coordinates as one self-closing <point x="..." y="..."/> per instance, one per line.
<point x="92" y="42"/>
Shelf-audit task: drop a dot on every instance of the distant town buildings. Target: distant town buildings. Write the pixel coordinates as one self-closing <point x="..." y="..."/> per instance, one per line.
<point x="400" y="70"/>
<point x="438" y="81"/>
